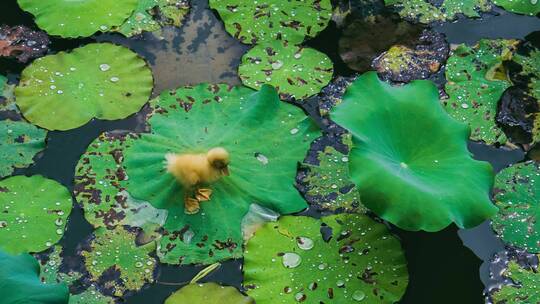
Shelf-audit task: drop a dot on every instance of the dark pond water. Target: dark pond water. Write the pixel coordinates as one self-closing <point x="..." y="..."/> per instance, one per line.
<point x="445" y="267"/>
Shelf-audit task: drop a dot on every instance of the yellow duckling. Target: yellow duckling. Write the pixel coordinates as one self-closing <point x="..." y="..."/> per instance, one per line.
<point x="193" y="171"/>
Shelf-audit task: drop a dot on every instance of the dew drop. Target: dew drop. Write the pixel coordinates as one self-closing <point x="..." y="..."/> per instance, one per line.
<point x="277" y="65"/>
<point x="358" y="295"/>
<point x="115" y="79"/>
<point x="304" y="243"/>
<point x="104" y="67"/>
<point x="291" y="260"/>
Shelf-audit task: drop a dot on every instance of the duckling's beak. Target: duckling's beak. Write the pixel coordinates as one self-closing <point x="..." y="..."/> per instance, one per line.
<point x="225" y="171"/>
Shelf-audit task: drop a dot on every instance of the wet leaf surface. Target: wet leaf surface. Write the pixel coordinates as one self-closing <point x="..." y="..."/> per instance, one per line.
<point x="296" y="72"/>
<point x="391" y="151"/>
<point x="19" y="144"/>
<point x="526" y="7"/>
<point x="66" y="90"/>
<point x="208" y="293"/>
<point x="293" y="261"/>
<point x="22" y="43"/>
<point x="34" y="213"/>
<point x="426" y="11"/>
<point x="8" y="107"/>
<point x="253" y="22"/>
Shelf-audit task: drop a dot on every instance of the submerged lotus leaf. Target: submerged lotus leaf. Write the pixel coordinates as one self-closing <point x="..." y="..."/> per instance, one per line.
<point x="208" y="293"/>
<point x="19" y="143"/>
<point x="252" y="22"/>
<point x="72" y="19"/>
<point x="116" y="261"/>
<point x="332" y="94"/>
<point x="21" y="284"/>
<point x="338" y="259"/>
<point x="34" y="213"/>
<point x="7" y="100"/>
<point x="524" y="287"/>
<point x="526" y="7"/>
<point x="324" y="175"/>
<point x="476" y="82"/>
<point x="152" y="15"/>
<point x="99" y="179"/>
<point x="408" y="170"/>
<point x="296" y="72"/>
<point x="517" y="192"/>
<point x="265" y="138"/>
<point x="426" y="11"/>
<point x="66" y="90"/>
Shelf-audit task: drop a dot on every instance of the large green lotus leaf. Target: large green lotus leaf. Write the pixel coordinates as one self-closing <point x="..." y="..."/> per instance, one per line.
<point x="293" y="261"/>
<point x="254" y="21"/>
<point x="20" y="283"/>
<point x="409" y="156"/>
<point x="116" y="253"/>
<point x="517" y="192"/>
<point x="66" y="90"/>
<point x="34" y="213"/>
<point x="426" y="11"/>
<point x="296" y="72"/>
<point x="526" y="7"/>
<point x="99" y="178"/>
<point x="72" y="19"/>
<point x="524" y="289"/>
<point x="265" y="138"/>
<point x="208" y="293"/>
<point x="476" y="81"/>
<point x="152" y="15"/>
<point x="325" y="179"/>
<point x="19" y="143"/>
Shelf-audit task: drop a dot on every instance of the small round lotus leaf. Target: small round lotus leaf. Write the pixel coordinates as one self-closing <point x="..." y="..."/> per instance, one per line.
<point x="426" y="11"/>
<point x="34" y="213"/>
<point x="152" y="15"/>
<point x="526" y="7"/>
<point x="476" y="82"/>
<point x="296" y="72"/>
<point x="208" y="293"/>
<point x="524" y="287"/>
<point x="19" y="143"/>
<point x="114" y="252"/>
<point x="517" y="192"/>
<point x="66" y="90"/>
<point x="410" y="171"/>
<point x="101" y="192"/>
<point x="252" y="22"/>
<point x="293" y="261"/>
<point x="21" y="284"/>
<point x="266" y="138"/>
<point x="72" y="19"/>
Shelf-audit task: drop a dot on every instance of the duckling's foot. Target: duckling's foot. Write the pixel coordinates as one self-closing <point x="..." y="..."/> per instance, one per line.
<point x="191" y="206"/>
<point x="203" y="194"/>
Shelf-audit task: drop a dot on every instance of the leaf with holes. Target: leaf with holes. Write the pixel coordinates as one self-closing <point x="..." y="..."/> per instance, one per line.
<point x="426" y="11"/>
<point x="296" y="72"/>
<point x="524" y="288"/>
<point x="66" y="90"/>
<point x="19" y="143"/>
<point x="338" y="259"/>
<point x="35" y="211"/>
<point x="253" y="22"/>
<point x="476" y="81"/>
<point x="208" y="293"/>
<point x="408" y="156"/>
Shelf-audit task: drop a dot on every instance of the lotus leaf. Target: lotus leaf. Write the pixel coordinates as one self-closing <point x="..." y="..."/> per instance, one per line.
<point x="524" y="289"/>
<point x="20" y="282"/>
<point x="293" y="261"/>
<point x="526" y="7"/>
<point x="476" y="81"/>
<point x="296" y="72"/>
<point x="152" y="15"/>
<point x="35" y="211"/>
<point x="525" y="69"/>
<point x="101" y="192"/>
<point x="325" y="179"/>
<point x="208" y="293"/>
<point x="517" y="195"/>
<point x="19" y="143"/>
<point x="265" y="138"/>
<point x="397" y="161"/>
<point x="7" y="100"/>
<point x="72" y="19"/>
<point x="426" y="11"/>
<point x="91" y="296"/>
<point x="117" y="261"/>
<point x="254" y="21"/>
<point x="66" y="90"/>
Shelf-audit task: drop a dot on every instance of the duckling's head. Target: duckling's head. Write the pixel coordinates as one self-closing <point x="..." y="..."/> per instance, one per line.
<point x="219" y="159"/>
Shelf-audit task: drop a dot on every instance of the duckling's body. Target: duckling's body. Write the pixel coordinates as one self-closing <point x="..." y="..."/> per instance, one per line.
<point x="193" y="171"/>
